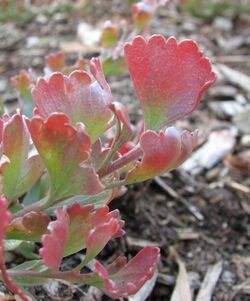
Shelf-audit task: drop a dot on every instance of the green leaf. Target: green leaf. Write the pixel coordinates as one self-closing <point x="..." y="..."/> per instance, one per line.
<point x="98" y="200"/>
<point x="37" y="192"/>
<point x="31" y="266"/>
<point x="114" y="67"/>
<point x="11" y="244"/>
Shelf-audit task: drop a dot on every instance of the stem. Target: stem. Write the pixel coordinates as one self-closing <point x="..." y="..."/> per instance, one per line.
<point x="113" y="148"/>
<point x="11" y="284"/>
<point x="130" y="156"/>
<point x="71" y="276"/>
<point x="38" y="206"/>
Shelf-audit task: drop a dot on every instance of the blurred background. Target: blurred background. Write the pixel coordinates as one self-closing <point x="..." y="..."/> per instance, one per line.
<point x="203" y="208"/>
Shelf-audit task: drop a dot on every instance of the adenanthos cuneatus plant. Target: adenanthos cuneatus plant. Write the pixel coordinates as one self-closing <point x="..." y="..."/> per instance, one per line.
<point x="59" y="164"/>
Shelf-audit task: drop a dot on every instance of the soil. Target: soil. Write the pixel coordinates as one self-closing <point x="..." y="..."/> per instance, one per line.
<point x="203" y="216"/>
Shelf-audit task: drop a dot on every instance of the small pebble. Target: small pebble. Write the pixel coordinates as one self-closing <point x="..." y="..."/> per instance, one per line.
<point x="223" y="24"/>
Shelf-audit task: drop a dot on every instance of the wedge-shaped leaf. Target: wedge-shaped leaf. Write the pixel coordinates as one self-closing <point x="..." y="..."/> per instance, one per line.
<point x="77" y="228"/>
<point x="23" y="82"/>
<point x="76" y="95"/>
<point x="122" y="279"/>
<point x="65" y="152"/>
<point x="169" y="78"/>
<point x="29" y="227"/>
<point x="21" y="171"/>
<point x="162" y="152"/>
<point x="54" y="242"/>
<point x="5" y="218"/>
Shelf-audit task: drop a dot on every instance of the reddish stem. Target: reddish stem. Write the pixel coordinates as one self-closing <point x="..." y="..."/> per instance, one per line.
<point x="11" y="284"/>
<point x="130" y="156"/>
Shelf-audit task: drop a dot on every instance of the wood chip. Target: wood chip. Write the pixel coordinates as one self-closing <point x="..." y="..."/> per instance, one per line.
<point x="182" y="291"/>
<point x="209" y="283"/>
<point x="236" y="77"/>
<point x="220" y="143"/>
<point x="136" y="244"/>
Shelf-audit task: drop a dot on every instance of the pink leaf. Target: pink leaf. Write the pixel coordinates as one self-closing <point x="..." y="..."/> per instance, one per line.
<point x="5" y="218"/>
<point x="54" y="243"/>
<point x="21" y="171"/>
<point x="65" y="152"/>
<point x="76" y="95"/>
<point x="169" y="78"/>
<point x="163" y="152"/>
<point x="99" y="236"/>
<point x="123" y="279"/>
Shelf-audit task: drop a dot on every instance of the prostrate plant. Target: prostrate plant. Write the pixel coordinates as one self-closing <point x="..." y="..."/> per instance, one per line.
<point x="60" y="162"/>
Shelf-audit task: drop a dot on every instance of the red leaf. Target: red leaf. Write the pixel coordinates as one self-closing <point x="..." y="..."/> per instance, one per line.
<point x="76" y="95"/>
<point x="123" y="279"/>
<point x="5" y="218"/>
<point x="55" y="61"/>
<point x="54" y="243"/>
<point x="169" y="78"/>
<point x="65" y="149"/>
<point x="163" y="152"/>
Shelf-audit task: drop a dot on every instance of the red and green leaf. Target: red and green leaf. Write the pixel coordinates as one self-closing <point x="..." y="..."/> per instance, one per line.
<point x="77" y="228"/>
<point x="162" y="152"/>
<point x="169" y="78"/>
<point x="65" y="152"/>
<point x="85" y="229"/>
<point x="20" y="171"/>
<point x="55" y="61"/>
<point x="76" y="95"/>
<point x="23" y="82"/>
